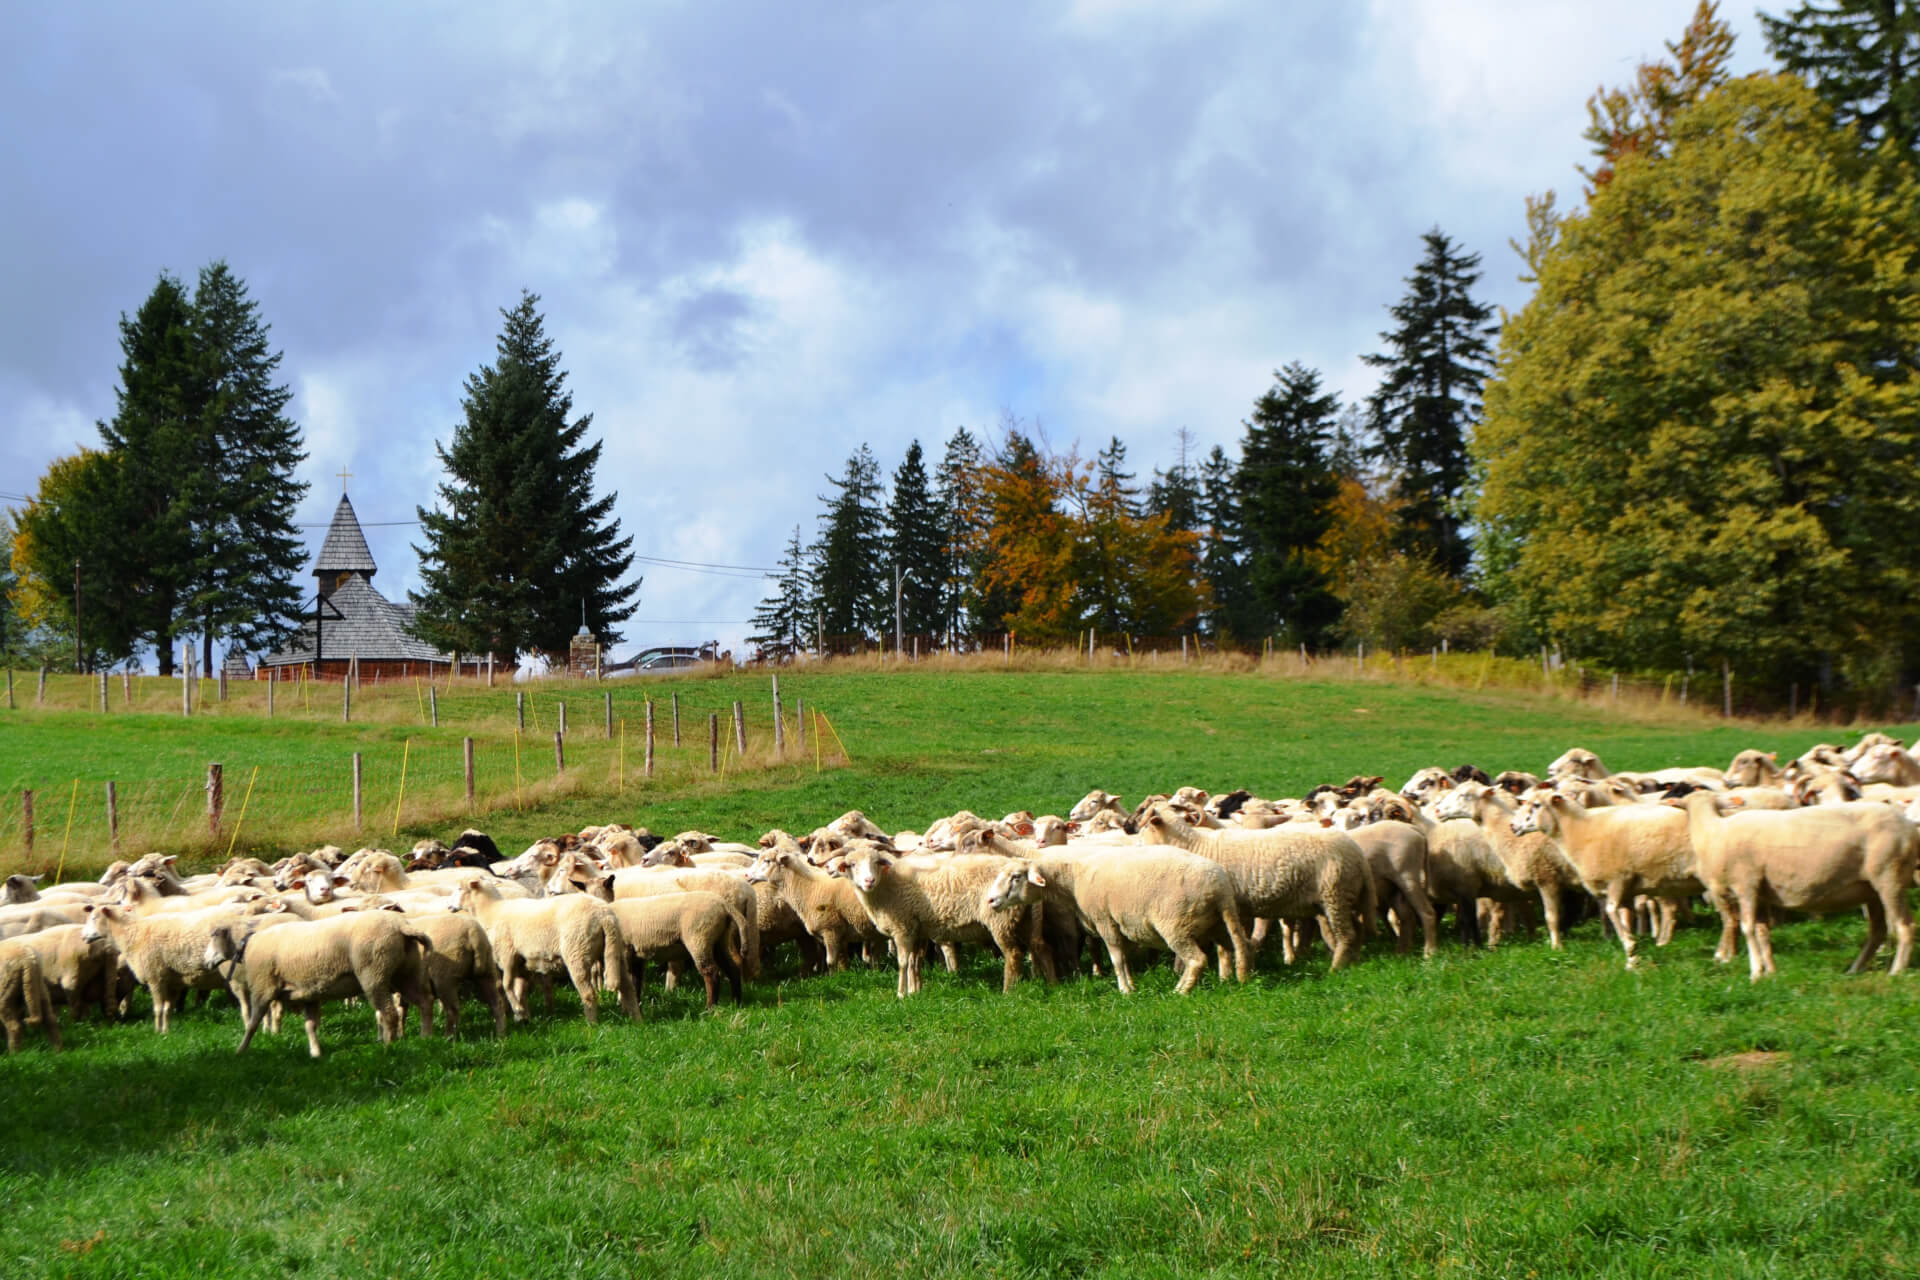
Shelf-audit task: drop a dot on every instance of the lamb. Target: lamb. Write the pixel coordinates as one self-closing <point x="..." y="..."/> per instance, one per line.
<point x="1753" y="768"/>
<point x="1423" y="786"/>
<point x="23" y="996"/>
<point x="1619" y="852"/>
<point x="1396" y="854"/>
<point x="460" y="956"/>
<point x="1531" y="861"/>
<point x="697" y="928"/>
<point x="1584" y="764"/>
<point x="638" y="882"/>
<point x="1291" y="872"/>
<point x="1885" y="762"/>
<point x="167" y="952"/>
<point x="1096" y="801"/>
<point x="574" y="933"/>
<point x="1821" y="859"/>
<point x="81" y="969"/>
<point x="1164" y="899"/>
<point x="916" y="902"/>
<point x="1462" y="868"/>
<point x="826" y="904"/>
<point x="375" y="954"/>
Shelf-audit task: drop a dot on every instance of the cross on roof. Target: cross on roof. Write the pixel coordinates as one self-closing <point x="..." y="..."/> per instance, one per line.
<point x="345" y="475"/>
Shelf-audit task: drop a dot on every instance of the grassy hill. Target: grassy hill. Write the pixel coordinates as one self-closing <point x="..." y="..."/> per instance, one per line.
<point x="1509" y="1113"/>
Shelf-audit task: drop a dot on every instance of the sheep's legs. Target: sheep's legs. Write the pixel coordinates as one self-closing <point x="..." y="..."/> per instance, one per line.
<point x="312" y="1012"/>
<point x="1193" y="963"/>
<point x="1621" y="913"/>
<point x="1750" y="927"/>
<point x="1550" y="908"/>
<point x="950" y="956"/>
<point x="1422" y="906"/>
<point x="1876" y="934"/>
<point x="1122" y="971"/>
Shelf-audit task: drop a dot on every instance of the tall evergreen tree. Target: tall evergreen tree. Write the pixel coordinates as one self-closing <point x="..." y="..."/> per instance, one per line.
<point x="1221" y="562"/>
<point x="1284" y="487"/>
<point x="916" y="545"/>
<point x="1175" y="492"/>
<point x="519" y="547"/>
<point x="784" y="622"/>
<point x="957" y="492"/>
<point x="1438" y="357"/>
<point x="1863" y="58"/>
<point x="247" y="552"/>
<point x="852" y="575"/>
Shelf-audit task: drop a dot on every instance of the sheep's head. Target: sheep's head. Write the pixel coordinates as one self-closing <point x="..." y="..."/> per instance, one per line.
<point x="1536" y="813"/>
<point x="1468" y="773"/>
<point x="869" y="869"/>
<point x="21" y="888"/>
<point x="1578" y="763"/>
<point x="1387" y="807"/>
<point x="669" y="853"/>
<point x="1156" y="826"/>
<point x="1424" y="784"/>
<point x="99" y="918"/>
<point x="1016" y="886"/>
<point x="1461" y="802"/>
<point x="1094" y="802"/>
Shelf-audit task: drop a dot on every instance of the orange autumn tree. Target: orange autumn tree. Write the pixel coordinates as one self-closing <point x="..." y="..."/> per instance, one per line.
<point x="1059" y="550"/>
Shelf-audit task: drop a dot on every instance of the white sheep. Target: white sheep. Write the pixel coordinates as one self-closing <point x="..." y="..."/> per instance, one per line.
<point x="375" y="954"/>
<point x="23" y="995"/>
<point x="1619" y="852"/>
<point x="646" y="882"/>
<point x="696" y="928"/>
<point x="167" y="952"/>
<point x="1292" y="872"/>
<point x="1827" y="858"/>
<point x="80" y="969"/>
<point x="1396" y="854"/>
<point x="1530" y="861"/>
<point x="1163" y="899"/>
<point x="915" y="903"/>
<point x="574" y="934"/>
<point x="825" y="904"/>
<point x="461" y="956"/>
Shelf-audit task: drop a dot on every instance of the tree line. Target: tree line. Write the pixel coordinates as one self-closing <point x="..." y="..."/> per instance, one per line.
<point x="1330" y="521"/>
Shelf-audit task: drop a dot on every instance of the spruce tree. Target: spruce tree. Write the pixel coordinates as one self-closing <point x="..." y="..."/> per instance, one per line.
<point x="1111" y="505"/>
<point x="1863" y="58"/>
<point x="247" y="552"/>
<point x="1284" y="487"/>
<point x="916" y="545"/>
<point x="518" y="547"/>
<point x="1175" y="492"/>
<point x="1438" y="357"/>
<point x="784" y="622"/>
<point x="853" y="580"/>
<point x="1221" y="563"/>
<point x="957" y="493"/>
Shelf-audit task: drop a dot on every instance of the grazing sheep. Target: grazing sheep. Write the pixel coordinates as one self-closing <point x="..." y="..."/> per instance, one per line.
<point x="1287" y="873"/>
<point x="1093" y="802"/>
<point x="1822" y="859"/>
<point x="1619" y="852"/>
<point x="914" y="903"/>
<point x="1163" y="899"/>
<point x="697" y="928"/>
<point x="644" y="882"/>
<point x="1396" y="854"/>
<point x="825" y="904"/>
<point x="23" y="996"/>
<point x="574" y="934"/>
<point x="375" y="954"/>
<point x="1885" y="762"/>
<point x="1752" y="768"/>
<point x="1423" y="786"/>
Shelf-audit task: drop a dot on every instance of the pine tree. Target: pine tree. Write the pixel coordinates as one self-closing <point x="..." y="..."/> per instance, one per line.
<point x="784" y="621"/>
<point x="1429" y="397"/>
<point x="247" y="552"/>
<point x="146" y="541"/>
<point x="1175" y="492"/>
<point x="854" y="591"/>
<point x="1221" y="563"/>
<point x="1284" y="487"/>
<point x="519" y="547"/>
<point x="1863" y="58"/>
<point x="916" y="546"/>
<point x="963" y="530"/>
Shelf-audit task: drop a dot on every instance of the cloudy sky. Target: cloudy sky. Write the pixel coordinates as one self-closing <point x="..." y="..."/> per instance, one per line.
<point x="766" y="232"/>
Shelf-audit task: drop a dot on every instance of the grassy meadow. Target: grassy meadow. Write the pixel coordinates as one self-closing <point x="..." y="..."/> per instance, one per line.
<point x="1518" y="1112"/>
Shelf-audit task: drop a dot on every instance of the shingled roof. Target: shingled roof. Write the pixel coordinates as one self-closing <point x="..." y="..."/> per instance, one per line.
<point x="369" y="627"/>
<point x="346" y="547"/>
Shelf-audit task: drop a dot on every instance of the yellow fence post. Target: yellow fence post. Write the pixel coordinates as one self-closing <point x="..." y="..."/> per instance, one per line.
<point x="244" y="801"/>
<point x="405" y="753"/>
<point x="72" y="796"/>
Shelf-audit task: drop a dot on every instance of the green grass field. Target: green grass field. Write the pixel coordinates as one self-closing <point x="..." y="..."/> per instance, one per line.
<point x="1520" y="1112"/>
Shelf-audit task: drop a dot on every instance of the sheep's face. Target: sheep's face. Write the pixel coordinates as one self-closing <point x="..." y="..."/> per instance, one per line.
<point x="760" y="869"/>
<point x="1577" y="763"/>
<point x="870" y="870"/>
<point x="1423" y="785"/>
<point x="1017" y="886"/>
<point x="1462" y="802"/>
<point x="1529" y="817"/>
<point x="1094" y="802"/>
<point x="97" y="918"/>
<point x="20" y="888"/>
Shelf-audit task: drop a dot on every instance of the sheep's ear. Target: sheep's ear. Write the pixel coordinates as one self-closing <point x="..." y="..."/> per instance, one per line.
<point x="1326" y="822"/>
<point x="1035" y="878"/>
<point x="87" y="910"/>
<point x="169" y="860"/>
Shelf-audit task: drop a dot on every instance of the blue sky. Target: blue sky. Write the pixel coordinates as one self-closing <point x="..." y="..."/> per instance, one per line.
<point x="764" y="233"/>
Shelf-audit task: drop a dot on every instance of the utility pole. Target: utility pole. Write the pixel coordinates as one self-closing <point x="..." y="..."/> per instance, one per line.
<point x="78" y="664"/>
<point x="898" y="648"/>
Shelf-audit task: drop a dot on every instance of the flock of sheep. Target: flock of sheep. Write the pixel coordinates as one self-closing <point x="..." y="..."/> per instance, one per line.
<point x="1204" y="877"/>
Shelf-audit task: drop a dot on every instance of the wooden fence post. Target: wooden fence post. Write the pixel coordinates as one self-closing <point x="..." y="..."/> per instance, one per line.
<point x="520" y="709"/>
<point x="779" y="726"/>
<point x="216" y="797"/>
<point x="559" y="752"/>
<point x="433" y="707"/>
<point x="113" y="818"/>
<point x="608" y="695"/>
<point x="713" y="742"/>
<point x="466" y="752"/>
<point x="272" y="680"/>
<point x="103" y="693"/>
<point x="739" y="729"/>
<point x="222" y="683"/>
<point x="1793" y="700"/>
<point x="9" y="688"/>
<point x="26" y="817"/>
<point x="346" y="694"/>
<point x="649" y="737"/>
<point x="1616" y="686"/>
<point x="126" y="688"/>
<point x="563" y="717"/>
<point x="356" y="791"/>
<point x="40" y="695"/>
<point x="1726" y="688"/>
<point x="676" y="719"/>
<point x="489" y="668"/>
